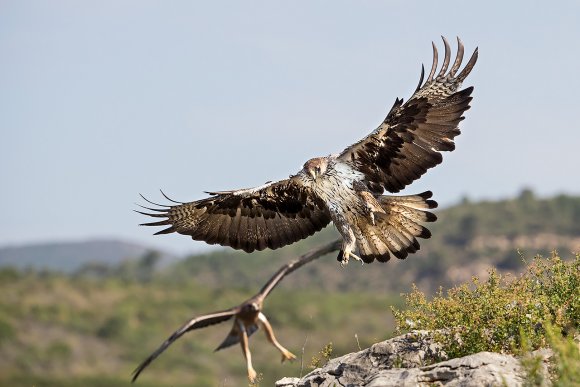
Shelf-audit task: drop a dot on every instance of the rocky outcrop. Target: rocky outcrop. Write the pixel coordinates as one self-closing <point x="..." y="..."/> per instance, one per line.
<point x="413" y="359"/>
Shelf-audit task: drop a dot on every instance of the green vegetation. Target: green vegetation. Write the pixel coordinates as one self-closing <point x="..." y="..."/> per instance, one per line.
<point x="69" y="331"/>
<point x="507" y="315"/>
<point x="94" y="326"/>
<point x="567" y="359"/>
<point x="322" y="357"/>
<point x="7" y="331"/>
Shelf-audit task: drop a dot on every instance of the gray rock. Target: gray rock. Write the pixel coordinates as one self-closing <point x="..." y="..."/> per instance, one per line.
<point x="413" y="359"/>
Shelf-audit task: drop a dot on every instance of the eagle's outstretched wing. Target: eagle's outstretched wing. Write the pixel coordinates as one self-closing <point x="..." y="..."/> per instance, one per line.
<point x="272" y="215"/>
<point x="194" y="323"/>
<point x="410" y="139"/>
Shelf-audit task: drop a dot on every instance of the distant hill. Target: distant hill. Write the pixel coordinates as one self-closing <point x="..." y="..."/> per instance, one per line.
<point x="70" y="256"/>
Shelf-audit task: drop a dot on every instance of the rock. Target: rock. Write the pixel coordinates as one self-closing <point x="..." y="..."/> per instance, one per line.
<point x="413" y="359"/>
<point x="287" y="382"/>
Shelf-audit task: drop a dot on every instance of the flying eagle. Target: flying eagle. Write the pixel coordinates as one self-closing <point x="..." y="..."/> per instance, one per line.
<point x="248" y="317"/>
<point x="345" y="188"/>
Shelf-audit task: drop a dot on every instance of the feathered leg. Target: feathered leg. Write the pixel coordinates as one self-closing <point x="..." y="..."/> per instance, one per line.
<point x="286" y="355"/>
<point x="348" y="244"/>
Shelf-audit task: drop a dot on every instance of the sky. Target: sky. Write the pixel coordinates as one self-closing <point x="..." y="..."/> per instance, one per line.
<point x="101" y="101"/>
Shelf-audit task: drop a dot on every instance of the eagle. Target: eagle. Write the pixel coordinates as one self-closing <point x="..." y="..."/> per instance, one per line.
<point x="248" y="317"/>
<point x="345" y="188"/>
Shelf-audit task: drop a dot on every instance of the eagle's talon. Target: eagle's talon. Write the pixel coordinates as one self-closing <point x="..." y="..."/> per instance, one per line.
<point x="344" y="260"/>
<point x="346" y="256"/>
<point x="357" y="258"/>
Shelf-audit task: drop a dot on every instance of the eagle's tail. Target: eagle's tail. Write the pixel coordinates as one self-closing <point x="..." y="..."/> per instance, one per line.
<point x="395" y="231"/>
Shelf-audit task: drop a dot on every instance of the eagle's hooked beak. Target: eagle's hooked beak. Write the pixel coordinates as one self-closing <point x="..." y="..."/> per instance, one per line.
<point x="314" y="172"/>
<point x="315" y="167"/>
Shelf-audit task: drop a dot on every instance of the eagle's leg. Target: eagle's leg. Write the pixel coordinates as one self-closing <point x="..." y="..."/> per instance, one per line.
<point x="370" y="203"/>
<point x="286" y="355"/>
<point x="252" y="374"/>
<point x="348" y="245"/>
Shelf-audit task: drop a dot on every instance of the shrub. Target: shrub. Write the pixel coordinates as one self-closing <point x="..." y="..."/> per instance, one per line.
<point x="567" y="358"/>
<point x="59" y="350"/>
<point x="7" y="331"/>
<point x="494" y="315"/>
<point x="112" y="328"/>
<point x="322" y="357"/>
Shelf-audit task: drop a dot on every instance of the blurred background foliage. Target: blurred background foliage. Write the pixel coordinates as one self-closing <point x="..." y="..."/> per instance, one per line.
<point x="94" y="325"/>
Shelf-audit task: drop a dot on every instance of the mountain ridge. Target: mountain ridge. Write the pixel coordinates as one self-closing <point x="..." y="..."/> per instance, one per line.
<point x="69" y="256"/>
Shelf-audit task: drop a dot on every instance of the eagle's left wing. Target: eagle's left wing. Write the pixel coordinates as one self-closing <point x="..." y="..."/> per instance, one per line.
<point x="409" y="141"/>
<point x="272" y="215"/>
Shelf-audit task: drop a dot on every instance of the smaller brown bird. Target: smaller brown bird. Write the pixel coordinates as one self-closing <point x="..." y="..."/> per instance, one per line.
<point x="248" y="317"/>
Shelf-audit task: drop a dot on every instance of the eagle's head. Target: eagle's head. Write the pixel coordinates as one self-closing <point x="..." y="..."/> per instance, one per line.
<point x="315" y="167"/>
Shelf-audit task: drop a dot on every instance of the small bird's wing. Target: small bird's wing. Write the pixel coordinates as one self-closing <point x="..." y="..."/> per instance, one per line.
<point x="296" y="264"/>
<point x="409" y="141"/>
<point x="195" y="323"/>
<point x="272" y="215"/>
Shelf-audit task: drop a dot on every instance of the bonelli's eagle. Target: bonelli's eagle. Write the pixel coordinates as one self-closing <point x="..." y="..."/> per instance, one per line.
<point x="345" y="188"/>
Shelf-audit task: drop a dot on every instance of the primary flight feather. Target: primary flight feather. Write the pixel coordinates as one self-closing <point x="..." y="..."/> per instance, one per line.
<point x="345" y="188"/>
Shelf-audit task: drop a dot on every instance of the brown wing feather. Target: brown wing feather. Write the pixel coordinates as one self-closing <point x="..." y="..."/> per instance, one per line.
<point x="413" y="134"/>
<point x="273" y="215"/>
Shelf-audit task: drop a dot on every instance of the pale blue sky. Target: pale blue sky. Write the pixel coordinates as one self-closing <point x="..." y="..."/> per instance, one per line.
<point x="100" y="101"/>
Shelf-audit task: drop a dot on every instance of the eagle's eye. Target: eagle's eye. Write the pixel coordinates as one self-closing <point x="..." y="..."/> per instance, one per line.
<point x="317" y="170"/>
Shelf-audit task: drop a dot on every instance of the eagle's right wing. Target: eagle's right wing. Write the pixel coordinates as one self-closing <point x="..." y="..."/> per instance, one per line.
<point x="272" y="215"/>
<point x="409" y="141"/>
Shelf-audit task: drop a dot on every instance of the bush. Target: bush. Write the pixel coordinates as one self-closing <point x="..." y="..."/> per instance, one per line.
<point x="494" y="315"/>
<point x="7" y="331"/>
<point x="59" y="350"/>
<point x="567" y="362"/>
<point x="112" y="328"/>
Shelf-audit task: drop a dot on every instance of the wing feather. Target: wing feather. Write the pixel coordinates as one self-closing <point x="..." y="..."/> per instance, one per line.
<point x="272" y="215"/>
<point x="409" y="141"/>
<point x="262" y="233"/>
